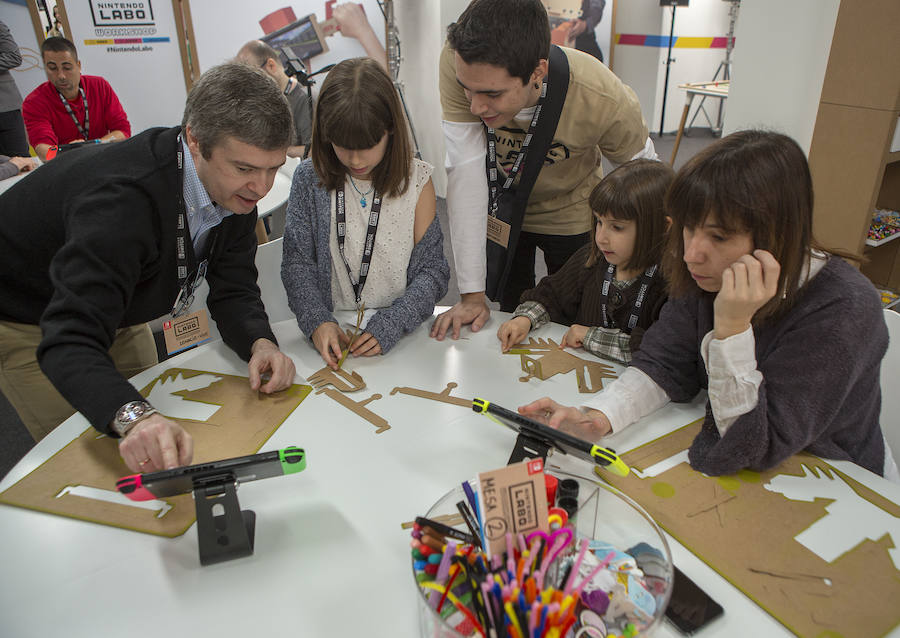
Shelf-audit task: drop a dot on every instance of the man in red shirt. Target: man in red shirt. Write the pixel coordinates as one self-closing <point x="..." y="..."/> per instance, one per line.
<point x="71" y="107"/>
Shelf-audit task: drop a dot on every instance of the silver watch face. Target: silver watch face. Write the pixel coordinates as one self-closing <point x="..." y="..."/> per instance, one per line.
<point x="131" y="412"/>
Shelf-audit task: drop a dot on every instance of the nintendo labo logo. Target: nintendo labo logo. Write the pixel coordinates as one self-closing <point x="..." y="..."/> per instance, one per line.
<point x="189" y="325"/>
<point x="121" y="13"/>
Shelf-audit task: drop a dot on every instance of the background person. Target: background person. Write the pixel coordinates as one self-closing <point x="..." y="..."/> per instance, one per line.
<point x="13" y="142"/>
<point x="71" y="107"/>
<point x="492" y="74"/>
<point x="258" y="53"/>
<point x="99" y="245"/>
<point x="12" y="166"/>
<point x="353" y="23"/>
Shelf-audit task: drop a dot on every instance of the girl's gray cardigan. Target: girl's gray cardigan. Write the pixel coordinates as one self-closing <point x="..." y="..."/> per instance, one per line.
<point x="306" y="267"/>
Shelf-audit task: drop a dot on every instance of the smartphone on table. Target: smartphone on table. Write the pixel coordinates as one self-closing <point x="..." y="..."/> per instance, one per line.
<point x="690" y="608"/>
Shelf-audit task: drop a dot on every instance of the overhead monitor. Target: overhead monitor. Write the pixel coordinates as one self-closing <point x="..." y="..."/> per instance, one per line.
<point x="303" y="37"/>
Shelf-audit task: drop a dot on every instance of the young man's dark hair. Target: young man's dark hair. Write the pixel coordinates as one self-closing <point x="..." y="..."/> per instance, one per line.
<point x="58" y="45"/>
<point x="511" y="34"/>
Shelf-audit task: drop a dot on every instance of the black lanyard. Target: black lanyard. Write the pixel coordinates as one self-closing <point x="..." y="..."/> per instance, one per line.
<point x="368" y="247"/>
<point x="638" y="303"/>
<point x="186" y="285"/>
<point x="84" y="130"/>
<point x="491" y="158"/>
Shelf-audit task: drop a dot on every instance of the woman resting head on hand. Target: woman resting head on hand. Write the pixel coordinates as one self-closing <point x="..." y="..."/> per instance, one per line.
<point x="786" y="338"/>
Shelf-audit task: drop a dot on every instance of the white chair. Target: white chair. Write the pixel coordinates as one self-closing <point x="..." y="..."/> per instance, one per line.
<point x="268" y="263"/>
<point x="890" y="388"/>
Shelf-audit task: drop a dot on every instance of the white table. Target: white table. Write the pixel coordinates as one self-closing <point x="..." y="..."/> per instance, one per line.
<point x="330" y="557"/>
<point x="713" y="89"/>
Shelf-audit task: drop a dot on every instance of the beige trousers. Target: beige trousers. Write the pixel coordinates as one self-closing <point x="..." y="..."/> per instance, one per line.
<point x="40" y="406"/>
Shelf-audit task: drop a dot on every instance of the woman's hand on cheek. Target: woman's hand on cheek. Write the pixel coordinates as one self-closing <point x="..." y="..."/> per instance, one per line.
<point x="747" y="285"/>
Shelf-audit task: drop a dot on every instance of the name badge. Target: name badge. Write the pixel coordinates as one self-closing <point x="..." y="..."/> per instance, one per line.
<point x="498" y="231"/>
<point x="186" y="331"/>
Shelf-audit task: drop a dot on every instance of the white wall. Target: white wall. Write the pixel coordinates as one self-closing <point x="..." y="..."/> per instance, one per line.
<point x="419" y="26"/>
<point x="779" y="66"/>
<point x="639" y="66"/>
<point x="643" y="67"/>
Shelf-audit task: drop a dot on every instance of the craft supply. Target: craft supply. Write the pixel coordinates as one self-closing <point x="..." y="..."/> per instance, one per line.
<point x="885" y="224"/>
<point x="538" y="585"/>
<point x="470" y="521"/>
<point x="552" y="484"/>
<point x="570" y="505"/>
<point x="568" y="487"/>
<point x="444" y="530"/>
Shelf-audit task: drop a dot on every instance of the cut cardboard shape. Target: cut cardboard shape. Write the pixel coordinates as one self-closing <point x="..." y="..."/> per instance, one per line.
<point x="814" y="548"/>
<point x="339" y="379"/>
<point x="543" y="358"/>
<point x="850" y="520"/>
<point x="359" y="408"/>
<point x="242" y="421"/>
<point x="442" y="396"/>
<point x="114" y="496"/>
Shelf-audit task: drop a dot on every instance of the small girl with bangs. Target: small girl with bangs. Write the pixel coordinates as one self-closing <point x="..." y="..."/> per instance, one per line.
<point x="786" y="338"/>
<point x="610" y="290"/>
<point x="361" y="226"/>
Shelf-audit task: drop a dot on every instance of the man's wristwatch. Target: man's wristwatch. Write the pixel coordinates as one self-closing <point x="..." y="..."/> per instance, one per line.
<point x="130" y="415"/>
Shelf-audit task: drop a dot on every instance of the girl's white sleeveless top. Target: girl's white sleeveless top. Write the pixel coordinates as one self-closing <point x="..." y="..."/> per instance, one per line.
<point x="394" y="242"/>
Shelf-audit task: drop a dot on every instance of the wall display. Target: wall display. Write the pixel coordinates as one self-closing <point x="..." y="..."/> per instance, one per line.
<point x="134" y="45"/>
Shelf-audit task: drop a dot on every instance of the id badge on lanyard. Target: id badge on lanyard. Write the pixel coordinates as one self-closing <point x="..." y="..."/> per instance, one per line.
<point x="185" y="330"/>
<point x="340" y="214"/>
<point x="498" y="230"/>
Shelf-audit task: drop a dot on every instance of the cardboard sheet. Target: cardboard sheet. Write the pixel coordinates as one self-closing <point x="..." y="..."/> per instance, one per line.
<point x="811" y="546"/>
<point x="80" y="480"/>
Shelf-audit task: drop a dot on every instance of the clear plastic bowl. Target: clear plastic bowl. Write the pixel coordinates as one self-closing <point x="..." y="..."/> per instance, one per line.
<point x="604" y="514"/>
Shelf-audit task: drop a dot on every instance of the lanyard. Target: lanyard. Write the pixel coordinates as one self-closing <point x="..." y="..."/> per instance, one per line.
<point x="491" y="158"/>
<point x="638" y="303"/>
<point x="87" y="118"/>
<point x="186" y="285"/>
<point x="368" y="248"/>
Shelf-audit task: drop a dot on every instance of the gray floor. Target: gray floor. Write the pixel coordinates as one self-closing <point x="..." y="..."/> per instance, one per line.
<point x="15" y="440"/>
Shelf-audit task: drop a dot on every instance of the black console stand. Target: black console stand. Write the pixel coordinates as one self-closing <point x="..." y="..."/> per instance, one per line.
<point x="528" y="448"/>
<point x="226" y="532"/>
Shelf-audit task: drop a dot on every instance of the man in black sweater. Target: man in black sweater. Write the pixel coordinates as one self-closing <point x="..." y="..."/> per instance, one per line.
<point x="104" y="239"/>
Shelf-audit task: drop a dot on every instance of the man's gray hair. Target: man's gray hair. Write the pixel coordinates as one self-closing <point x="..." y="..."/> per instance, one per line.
<point x="239" y="101"/>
